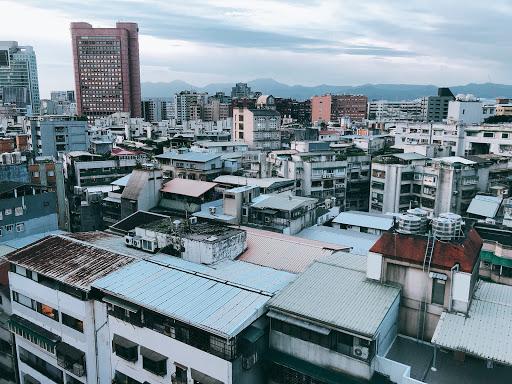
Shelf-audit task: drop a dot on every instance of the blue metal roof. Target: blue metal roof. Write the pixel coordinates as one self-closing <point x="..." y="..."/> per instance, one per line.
<point x="200" y="157"/>
<point x="207" y="302"/>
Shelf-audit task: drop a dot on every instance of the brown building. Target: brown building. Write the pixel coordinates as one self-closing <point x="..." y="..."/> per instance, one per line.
<point x="333" y="107"/>
<point x="6" y="144"/>
<point x="107" y="70"/>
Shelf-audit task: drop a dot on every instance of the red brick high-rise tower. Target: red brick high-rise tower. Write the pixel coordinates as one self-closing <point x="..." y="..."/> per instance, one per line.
<point x="107" y="69"/>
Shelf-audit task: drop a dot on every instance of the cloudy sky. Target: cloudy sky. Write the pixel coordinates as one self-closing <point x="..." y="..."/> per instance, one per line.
<point x="340" y="42"/>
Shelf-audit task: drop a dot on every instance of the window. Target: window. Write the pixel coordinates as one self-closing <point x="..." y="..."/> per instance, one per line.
<point x="121" y="378"/>
<point x="72" y="322"/>
<point x="18" y="211"/>
<point x="23" y="300"/>
<point x="8" y="212"/>
<point x="125" y="348"/>
<point x="48" y="311"/>
<point x="41" y="366"/>
<point x="504" y="135"/>
<point x="153" y="362"/>
<point x="438" y="288"/>
<point x="488" y="134"/>
<point x="9" y="228"/>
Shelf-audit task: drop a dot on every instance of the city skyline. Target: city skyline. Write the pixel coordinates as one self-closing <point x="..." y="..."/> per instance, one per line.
<point x="320" y="42"/>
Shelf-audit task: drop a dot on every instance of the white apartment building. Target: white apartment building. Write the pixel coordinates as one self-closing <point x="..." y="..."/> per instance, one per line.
<point x="58" y="327"/>
<point x="410" y="180"/>
<point x="465" y="109"/>
<point x="343" y="176"/>
<point x="385" y="110"/>
<point x="464" y="139"/>
<point x="259" y="128"/>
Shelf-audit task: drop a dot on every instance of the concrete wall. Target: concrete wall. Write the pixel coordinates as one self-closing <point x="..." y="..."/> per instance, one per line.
<point x="175" y="351"/>
<point x="64" y="303"/>
<point x="397" y="372"/>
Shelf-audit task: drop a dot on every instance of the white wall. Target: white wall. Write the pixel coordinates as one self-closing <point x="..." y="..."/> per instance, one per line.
<point x="175" y="350"/>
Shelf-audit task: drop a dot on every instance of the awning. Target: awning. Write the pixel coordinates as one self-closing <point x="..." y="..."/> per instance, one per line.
<point x="121" y="304"/>
<point x="203" y="378"/>
<point x="253" y="334"/>
<point x="121" y="341"/>
<point x="299" y="323"/>
<point x="309" y="369"/>
<point x="25" y="328"/>
<point x="490" y="257"/>
<point x="152" y="355"/>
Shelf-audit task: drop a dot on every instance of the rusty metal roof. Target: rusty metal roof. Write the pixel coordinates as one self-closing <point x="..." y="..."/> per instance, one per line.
<point x="283" y="252"/>
<point x="68" y="260"/>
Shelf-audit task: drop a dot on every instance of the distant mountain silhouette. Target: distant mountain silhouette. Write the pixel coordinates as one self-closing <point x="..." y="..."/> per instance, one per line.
<point x="301" y="92"/>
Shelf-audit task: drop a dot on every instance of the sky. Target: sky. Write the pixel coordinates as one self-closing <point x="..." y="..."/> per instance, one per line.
<point x="308" y="42"/>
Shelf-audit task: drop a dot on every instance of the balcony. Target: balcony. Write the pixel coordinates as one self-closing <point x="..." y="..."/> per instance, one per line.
<point x="34" y="333"/>
<point x="71" y="359"/>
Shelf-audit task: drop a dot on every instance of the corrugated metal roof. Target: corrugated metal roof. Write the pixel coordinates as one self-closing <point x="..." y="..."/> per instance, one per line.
<point x="68" y="260"/>
<point x="282" y="202"/>
<point x="238" y="272"/>
<point x="331" y="294"/>
<point x="283" y="252"/>
<point x="487" y="330"/>
<point x="207" y="303"/>
<point x="199" y="157"/>
<point x="409" y="156"/>
<point x="486" y="206"/>
<point x="359" y="242"/>
<point x="186" y="187"/>
<point x="123" y="181"/>
<point x="138" y="179"/>
<point x="365" y="219"/>
<point x="241" y="180"/>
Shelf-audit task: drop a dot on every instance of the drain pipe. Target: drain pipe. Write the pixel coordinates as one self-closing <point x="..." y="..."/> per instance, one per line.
<point x="454" y="269"/>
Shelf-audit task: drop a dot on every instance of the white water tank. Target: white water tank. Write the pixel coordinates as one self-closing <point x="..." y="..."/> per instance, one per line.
<point x="456" y="219"/>
<point x="409" y="224"/>
<point x="422" y="214"/>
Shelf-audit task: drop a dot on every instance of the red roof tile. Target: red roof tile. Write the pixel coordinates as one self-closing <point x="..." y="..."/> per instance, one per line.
<point x="411" y="249"/>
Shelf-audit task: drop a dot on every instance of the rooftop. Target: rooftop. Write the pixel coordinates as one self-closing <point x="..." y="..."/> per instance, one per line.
<point x="453" y="160"/>
<point x="486" y="206"/>
<point x="197" y="157"/>
<point x="136" y="220"/>
<point x="122" y="181"/>
<point x="205" y="302"/>
<point x="284" y="252"/>
<point x="199" y="232"/>
<point x="186" y="187"/>
<point x="68" y="260"/>
<point x="359" y="242"/>
<point x="208" y="143"/>
<point x="359" y="305"/>
<point x="282" y="202"/>
<point x="365" y="219"/>
<point x="262" y="183"/>
<point x="487" y="330"/>
<point x="411" y="248"/>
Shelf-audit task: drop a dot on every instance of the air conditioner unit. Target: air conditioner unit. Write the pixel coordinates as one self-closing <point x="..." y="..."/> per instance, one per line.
<point x="149" y="245"/>
<point x="212" y="210"/>
<point x="61" y="361"/>
<point x="192" y="220"/>
<point x="360" y="352"/>
<point x="137" y="242"/>
<point x="78" y="370"/>
<point x="128" y="239"/>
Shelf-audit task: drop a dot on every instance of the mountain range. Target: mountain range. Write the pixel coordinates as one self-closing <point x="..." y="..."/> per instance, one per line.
<point x="393" y="92"/>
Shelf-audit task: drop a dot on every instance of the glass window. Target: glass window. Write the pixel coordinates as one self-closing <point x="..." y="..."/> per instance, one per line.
<point x="72" y="322"/>
<point x="438" y="288"/>
<point x="48" y="311"/>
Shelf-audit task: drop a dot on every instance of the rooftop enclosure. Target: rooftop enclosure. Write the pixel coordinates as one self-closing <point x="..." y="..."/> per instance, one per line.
<point x="203" y="243"/>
